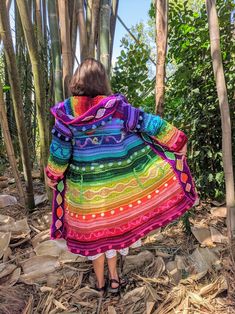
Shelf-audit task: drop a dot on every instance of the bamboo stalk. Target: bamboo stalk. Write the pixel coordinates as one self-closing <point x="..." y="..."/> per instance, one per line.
<point x="5" y="33"/>
<point x="44" y="14"/>
<point x="94" y="28"/>
<point x="8" y="5"/>
<point x="89" y="5"/>
<point x="225" y="117"/>
<point x="65" y="44"/>
<point x="56" y="50"/>
<point x="9" y="147"/>
<point x="82" y="30"/>
<point x="73" y="31"/>
<point x="38" y="79"/>
<point x="39" y="23"/>
<point x="113" y="19"/>
<point x="161" y="41"/>
<point x="104" y="34"/>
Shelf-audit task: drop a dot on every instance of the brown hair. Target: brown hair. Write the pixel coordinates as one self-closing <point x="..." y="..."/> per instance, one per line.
<point x="90" y="79"/>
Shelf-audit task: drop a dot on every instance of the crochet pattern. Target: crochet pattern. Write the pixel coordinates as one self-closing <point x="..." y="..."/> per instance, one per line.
<point x="118" y="171"/>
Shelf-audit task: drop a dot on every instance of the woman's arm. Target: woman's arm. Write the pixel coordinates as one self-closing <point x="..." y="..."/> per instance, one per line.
<point x="164" y="133"/>
<point x="60" y="153"/>
<point x="136" y="120"/>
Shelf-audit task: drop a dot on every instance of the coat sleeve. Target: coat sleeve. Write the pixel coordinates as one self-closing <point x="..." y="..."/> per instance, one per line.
<point x="60" y="151"/>
<point x="136" y="120"/>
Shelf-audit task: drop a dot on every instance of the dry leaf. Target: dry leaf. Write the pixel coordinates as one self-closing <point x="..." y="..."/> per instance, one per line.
<point x="29" y="306"/>
<point x="215" y="288"/>
<point x="197" y="299"/>
<point x="192" y="278"/>
<point x="38" y="266"/>
<point x="218" y="237"/>
<point x="6" y="269"/>
<point x="46" y="289"/>
<point x="6" y="220"/>
<point x="133" y="262"/>
<point x="7" y="254"/>
<point x="4" y="242"/>
<point x="12" y="278"/>
<point x="172" y="300"/>
<point x="2" y="178"/>
<point x="3" y="184"/>
<point x="39" y="199"/>
<point x="174" y="271"/>
<point x="59" y="305"/>
<point x="162" y="254"/>
<point x="85" y="293"/>
<point x="203" y="235"/>
<point x="18" y="229"/>
<point x="180" y="261"/>
<point x="111" y="310"/>
<point x="51" y="247"/>
<point x="159" y="266"/>
<point x="219" y="212"/>
<point x="7" y="200"/>
<point x="134" y="295"/>
<point x="185" y="306"/>
<point x="149" y="307"/>
<point x="40" y="237"/>
<point x="203" y="259"/>
<point x="36" y="174"/>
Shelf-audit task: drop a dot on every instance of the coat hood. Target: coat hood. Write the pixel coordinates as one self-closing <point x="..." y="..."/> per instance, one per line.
<point x="86" y="112"/>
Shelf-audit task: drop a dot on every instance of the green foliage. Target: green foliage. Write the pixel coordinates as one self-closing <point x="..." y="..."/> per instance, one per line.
<point x="6" y="88"/>
<point x="131" y="73"/>
<point x="191" y="98"/>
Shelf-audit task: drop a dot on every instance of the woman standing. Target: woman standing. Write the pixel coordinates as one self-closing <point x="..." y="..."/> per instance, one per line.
<point x="117" y="172"/>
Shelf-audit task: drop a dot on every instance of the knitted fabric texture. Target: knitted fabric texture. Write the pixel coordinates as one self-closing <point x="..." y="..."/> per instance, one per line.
<point x="119" y="174"/>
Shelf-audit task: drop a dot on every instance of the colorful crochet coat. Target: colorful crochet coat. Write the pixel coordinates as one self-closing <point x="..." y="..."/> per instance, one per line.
<point x="118" y="171"/>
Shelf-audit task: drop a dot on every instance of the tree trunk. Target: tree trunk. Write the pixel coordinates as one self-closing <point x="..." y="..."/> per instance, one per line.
<point x="56" y="50"/>
<point x="225" y="118"/>
<point x="25" y="74"/>
<point x="74" y="31"/>
<point x="82" y="30"/>
<point x="17" y="99"/>
<point x="104" y="34"/>
<point x="8" y="5"/>
<point x="39" y="24"/>
<point x="38" y="79"/>
<point x="65" y="44"/>
<point x="94" y="28"/>
<point x="161" y="41"/>
<point x="9" y="147"/>
<point x="44" y="14"/>
<point x="113" y="20"/>
<point x="89" y="17"/>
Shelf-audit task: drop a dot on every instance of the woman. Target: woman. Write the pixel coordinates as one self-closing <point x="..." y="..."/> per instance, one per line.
<point x="117" y="172"/>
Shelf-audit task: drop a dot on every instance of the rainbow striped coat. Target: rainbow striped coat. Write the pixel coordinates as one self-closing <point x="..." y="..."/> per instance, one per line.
<point x="119" y="173"/>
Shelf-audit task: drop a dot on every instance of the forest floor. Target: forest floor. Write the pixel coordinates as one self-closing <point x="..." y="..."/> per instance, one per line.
<point x="173" y="272"/>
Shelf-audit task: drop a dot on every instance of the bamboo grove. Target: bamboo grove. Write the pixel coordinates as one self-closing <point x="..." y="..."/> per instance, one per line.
<point x="39" y="65"/>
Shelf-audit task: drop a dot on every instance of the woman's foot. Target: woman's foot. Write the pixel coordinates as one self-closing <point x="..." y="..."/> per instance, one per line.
<point x="114" y="285"/>
<point x="101" y="288"/>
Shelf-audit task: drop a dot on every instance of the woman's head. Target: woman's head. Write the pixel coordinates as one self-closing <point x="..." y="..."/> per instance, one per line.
<point x="90" y="79"/>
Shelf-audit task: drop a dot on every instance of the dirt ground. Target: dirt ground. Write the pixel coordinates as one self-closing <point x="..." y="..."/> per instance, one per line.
<point x="184" y="268"/>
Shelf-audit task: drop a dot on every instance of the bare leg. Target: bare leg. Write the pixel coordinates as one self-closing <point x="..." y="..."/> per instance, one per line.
<point x="98" y="265"/>
<point x="113" y="274"/>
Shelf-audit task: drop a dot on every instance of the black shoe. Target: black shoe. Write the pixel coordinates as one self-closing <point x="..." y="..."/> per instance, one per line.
<point x="102" y="290"/>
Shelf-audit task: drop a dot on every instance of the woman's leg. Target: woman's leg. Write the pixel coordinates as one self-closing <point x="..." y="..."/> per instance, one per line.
<point x="113" y="273"/>
<point x="98" y="265"/>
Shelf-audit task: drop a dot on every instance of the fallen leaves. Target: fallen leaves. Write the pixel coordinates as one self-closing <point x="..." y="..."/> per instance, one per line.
<point x="7" y="200"/>
<point x="171" y="273"/>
